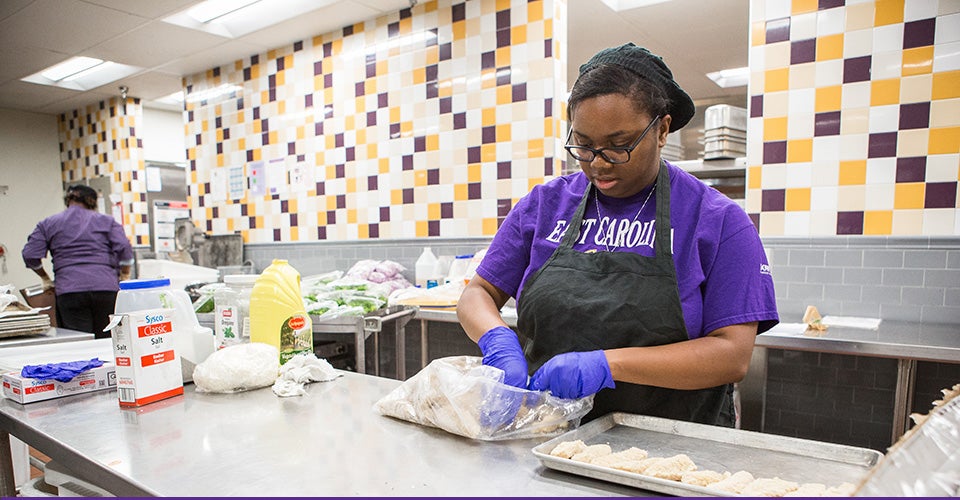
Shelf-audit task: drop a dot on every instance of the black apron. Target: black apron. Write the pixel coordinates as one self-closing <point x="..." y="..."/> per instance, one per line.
<point x="606" y="300"/>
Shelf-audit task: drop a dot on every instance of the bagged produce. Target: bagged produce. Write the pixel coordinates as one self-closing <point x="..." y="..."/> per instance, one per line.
<point x="462" y="396"/>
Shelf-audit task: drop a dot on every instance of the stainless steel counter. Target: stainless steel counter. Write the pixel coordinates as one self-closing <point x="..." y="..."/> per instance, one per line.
<point x="327" y="443"/>
<point x="52" y="336"/>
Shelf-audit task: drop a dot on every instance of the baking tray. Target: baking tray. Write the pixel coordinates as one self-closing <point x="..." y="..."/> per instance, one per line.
<point x="711" y="448"/>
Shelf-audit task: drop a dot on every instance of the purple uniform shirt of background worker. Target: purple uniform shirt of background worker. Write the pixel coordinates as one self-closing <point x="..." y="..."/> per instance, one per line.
<point x="722" y="271"/>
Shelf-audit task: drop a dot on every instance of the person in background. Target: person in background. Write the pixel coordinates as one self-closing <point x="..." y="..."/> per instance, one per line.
<point x="634" y="280"/>
<point x="91" y="255"/>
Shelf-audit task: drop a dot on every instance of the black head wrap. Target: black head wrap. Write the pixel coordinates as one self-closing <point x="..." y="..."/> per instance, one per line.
<point x="651" y="67"/>
<point x="81" y="194"/>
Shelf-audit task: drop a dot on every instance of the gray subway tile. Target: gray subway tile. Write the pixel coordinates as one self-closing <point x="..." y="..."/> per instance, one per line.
<point x="925" y="259"/>
<point x="803" y="291"/>
<point x="855" y="276"/>
<point x="824" y="275"/>
<point x="883" y="258"/>
<point x="941" y="314"/>
<point x="806" y="257"/>
<point x="842" y="292"/>
<point x="953" y="259"/>
<point x="903" y="277"/>
<point x="789" y="274"/>
<point x="923" y="296"/>
<point x="896" y="312"/>
<point x="843" y="258"/>
<point x="947" y="278"/>
<point x="951" y="297"/>
<point x="863" y="309"/>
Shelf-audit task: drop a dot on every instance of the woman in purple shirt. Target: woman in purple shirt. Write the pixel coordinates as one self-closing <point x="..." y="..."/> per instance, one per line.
<point x="91" y="255"/>
<point x="634" y="280"/>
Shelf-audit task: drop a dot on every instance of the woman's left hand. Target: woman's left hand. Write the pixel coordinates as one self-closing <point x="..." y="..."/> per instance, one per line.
<point x="573" y="375"/>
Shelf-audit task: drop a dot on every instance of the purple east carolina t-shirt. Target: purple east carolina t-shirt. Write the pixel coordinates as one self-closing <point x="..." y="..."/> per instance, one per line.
<point x="722" y="270"/>
<point x="86" y="247"/>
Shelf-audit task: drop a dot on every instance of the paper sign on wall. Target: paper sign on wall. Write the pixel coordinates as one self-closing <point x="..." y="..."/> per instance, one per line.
<point x="235" y="182"/>
<point x="257" y="177"/>
<point x="218" y="184"/>
<point x="277" y="176"/>
<point x="165" y="215"/>
<point x="301" y="177"/>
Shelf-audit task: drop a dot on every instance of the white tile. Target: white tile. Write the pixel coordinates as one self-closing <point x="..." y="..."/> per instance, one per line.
<point x="880" y="197"/>
<point x="881" y="170"/>
<point x="776" y="9"/>
<point x="886" y="65"/>
<point x="824" y="198"/>
<point x="757" y="57"/>
<point x="800" y="124"/>
<point x="942" y="168"/>
<point x="857" y="43"/>
<point x="854" y="147"/>
<point x="946" y="57"/>
<point x="884" y="118"/>
<point x="948" y="28"/>
<point x="802" y="101"/>
<point x="914" y="10"/>
<point x="796" y="223"/>
<point x="799" y="175"/>
<point x="830" y="21"/>
<point x="824" y="173"/>
<point x="939" y="221"/>
<point x="803" y="26"/>
<point x="830" y="73"/>
<point x="774" y="177"/>
<point x="823" y="223"/>
<point x="855" y="95"/>
<point x="826" y="150"/>
<point x="888" y="38"/>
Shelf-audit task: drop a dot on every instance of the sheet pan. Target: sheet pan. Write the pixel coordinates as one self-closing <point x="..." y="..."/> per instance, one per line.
<point x="711" y="448"/>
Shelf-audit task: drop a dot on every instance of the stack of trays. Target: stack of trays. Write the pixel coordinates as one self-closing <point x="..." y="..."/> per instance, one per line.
<point x="673" y="150"/>
<point x="724" y="132"/>
<point x="23" y="324"/>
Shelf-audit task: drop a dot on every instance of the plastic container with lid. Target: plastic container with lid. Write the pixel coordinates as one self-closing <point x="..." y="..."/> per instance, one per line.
<point x="232" y="310"/>
<point x="426" y="270"/>
<point x="193" y="342"/>
<point x="277" y="314"/>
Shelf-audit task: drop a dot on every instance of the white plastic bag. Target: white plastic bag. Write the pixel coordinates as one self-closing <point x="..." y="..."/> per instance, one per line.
<point x="238" y="368"/>
<point x="462" y="396"/>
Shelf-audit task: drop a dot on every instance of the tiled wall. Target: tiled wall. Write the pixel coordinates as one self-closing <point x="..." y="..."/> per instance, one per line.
<point x="103" y="141"/>
<point x="854" y="124"/>
<point x="427" y="122"/>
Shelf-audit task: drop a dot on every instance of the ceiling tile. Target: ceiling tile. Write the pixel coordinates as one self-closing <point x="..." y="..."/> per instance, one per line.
<point x="154" y="44"/>
<point x="220" y="55"/>
<point x="67" y="26"/>
<point x="19" y="61"/>
<point x="149" y="9"/>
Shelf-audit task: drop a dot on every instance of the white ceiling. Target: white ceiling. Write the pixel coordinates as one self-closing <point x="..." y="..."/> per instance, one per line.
<point x="693" y="36"/>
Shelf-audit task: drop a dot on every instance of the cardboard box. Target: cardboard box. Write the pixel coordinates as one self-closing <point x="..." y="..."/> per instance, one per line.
<point x="28" y="390"/>
<point x="148" y="365"/>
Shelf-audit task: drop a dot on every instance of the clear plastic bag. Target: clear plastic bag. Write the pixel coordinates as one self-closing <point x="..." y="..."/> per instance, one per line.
<point x="462" y="396"/>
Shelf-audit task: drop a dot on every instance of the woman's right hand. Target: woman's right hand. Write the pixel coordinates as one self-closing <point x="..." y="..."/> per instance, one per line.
<point x="501" y="349"/>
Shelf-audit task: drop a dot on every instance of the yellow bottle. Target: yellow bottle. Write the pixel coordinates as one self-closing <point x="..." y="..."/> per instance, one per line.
<point x="277" y="315"/>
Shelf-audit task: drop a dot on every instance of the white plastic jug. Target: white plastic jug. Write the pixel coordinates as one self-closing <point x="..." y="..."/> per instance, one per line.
<point x="194" y="342"/>
<point x="427" y="276"/>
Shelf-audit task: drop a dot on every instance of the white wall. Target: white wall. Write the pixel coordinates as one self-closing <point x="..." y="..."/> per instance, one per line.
<point x="163" y="139"/>
<point x="30" y="168"/>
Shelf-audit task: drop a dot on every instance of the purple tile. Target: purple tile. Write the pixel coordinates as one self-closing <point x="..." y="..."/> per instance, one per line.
<point x="321" y="232"/>
<point x="394" y="130"/>
<point x="503" y="38"/>
<point x="803" y="51"/>
<point x="519" y="92"/>
<point x="775" y="152"/>
<point x="340" y="172"/>
<point x="548" y="48"/>
<point x="318" y="68"/>
<point x="419" y="144"/>
<point x="298" y="46"/>
<point x="291" y="148"/>
<point x="327" y="81"/>
<point x="338" y="140"/>
<point x="433" y="176"/>
<point x="473" y="191"/>
<point x="503" y="19"/>
<point x="881" y="145"/>
<point x="359" y="89"/>
<point x="503" y="207"/>
<point x="393" y="30"/>
<point x="915" y="115"/>
<point x="445" y="51"/>
<point x="293" y="220"/>
<point x="384" y="214"/>
<point x="433" y="90"/>
<point x="276" y="235"/>
<point x="459" y="121"/>
<point x="284" y="206"/>
<point x="919" y="33"/>
<point x="251" y="221"/>
<point x="407" y="196"/>
<point x="857" y="69"/>
<point x="503" y="76"/>
<point x="407" y="163"/>
<point x="488" y="60"/>
<point x="351" y="153"/>
<point x="827" y="123"/>
<point x="772" y="200"/>
<point x="778" y="30"/>
<point x="488" y="134"/>
<point x="548" y="166"/>
<point x="446" y="210"/>
<point x="327" y="50"/>
<point x="912" y="169"/>
<point x="371" y="58"/>
<point x="371" y="118"/>
<point x="371" y="70"/>
<point x="850" y="223"/>
<point x="503" y="170"/>
<point x="331" y="217"/>
<point x="280" y="64"/>
<point x="473" y="154"/>
<point x="431" y="72"/>
<point x="347" y="30"/>
<point x="756" y="106"/>
<point x="372" y="183"/>
<point x="308" y="101"/>
<point x="321" y="188"/>
<point x="458" y="12"/>
<point x="382" y="100"/>
<point x="548" y="107"/>
<point x="265" y="138"/>
<point x="374" y="230"/>
<point x="755" y="218"/>
<point x="433" y="228"/>
<point x="940" y="195"/>
<point x="446" y="104"/>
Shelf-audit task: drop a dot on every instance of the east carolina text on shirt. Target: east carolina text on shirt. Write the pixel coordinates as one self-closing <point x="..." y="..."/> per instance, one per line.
<point x="620" y="233"/>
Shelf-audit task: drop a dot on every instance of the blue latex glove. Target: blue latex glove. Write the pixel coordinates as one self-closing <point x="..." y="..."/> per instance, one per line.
<point x="573" y="375"/>
<point x="501" y="348"/>
<point x="63" y="372"/>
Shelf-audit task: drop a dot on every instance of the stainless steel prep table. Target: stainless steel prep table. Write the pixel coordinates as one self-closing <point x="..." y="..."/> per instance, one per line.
<point x="904" y="341"/>
<point x="327" y="443"/>
<point x="54" y="335"/>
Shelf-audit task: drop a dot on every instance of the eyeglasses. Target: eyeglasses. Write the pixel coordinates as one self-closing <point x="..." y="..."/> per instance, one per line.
<point x="612" y="155"/>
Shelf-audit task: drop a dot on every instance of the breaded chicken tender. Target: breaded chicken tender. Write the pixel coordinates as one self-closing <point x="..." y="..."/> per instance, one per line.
<point x="614" y="459"/>
<point x="703" y="477"/>
<point x="592" y="452"/>
<point x="808" y="490"/>
<point x="769" y="487"/>
<point x="671" y="467"/>
<point x="734" y="483"/>
<point x="568" y="449"/>
<point x="843" y="490"/>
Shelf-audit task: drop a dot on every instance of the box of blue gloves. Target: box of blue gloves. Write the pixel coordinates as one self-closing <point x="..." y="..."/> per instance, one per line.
<point x="53" y="380"/>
